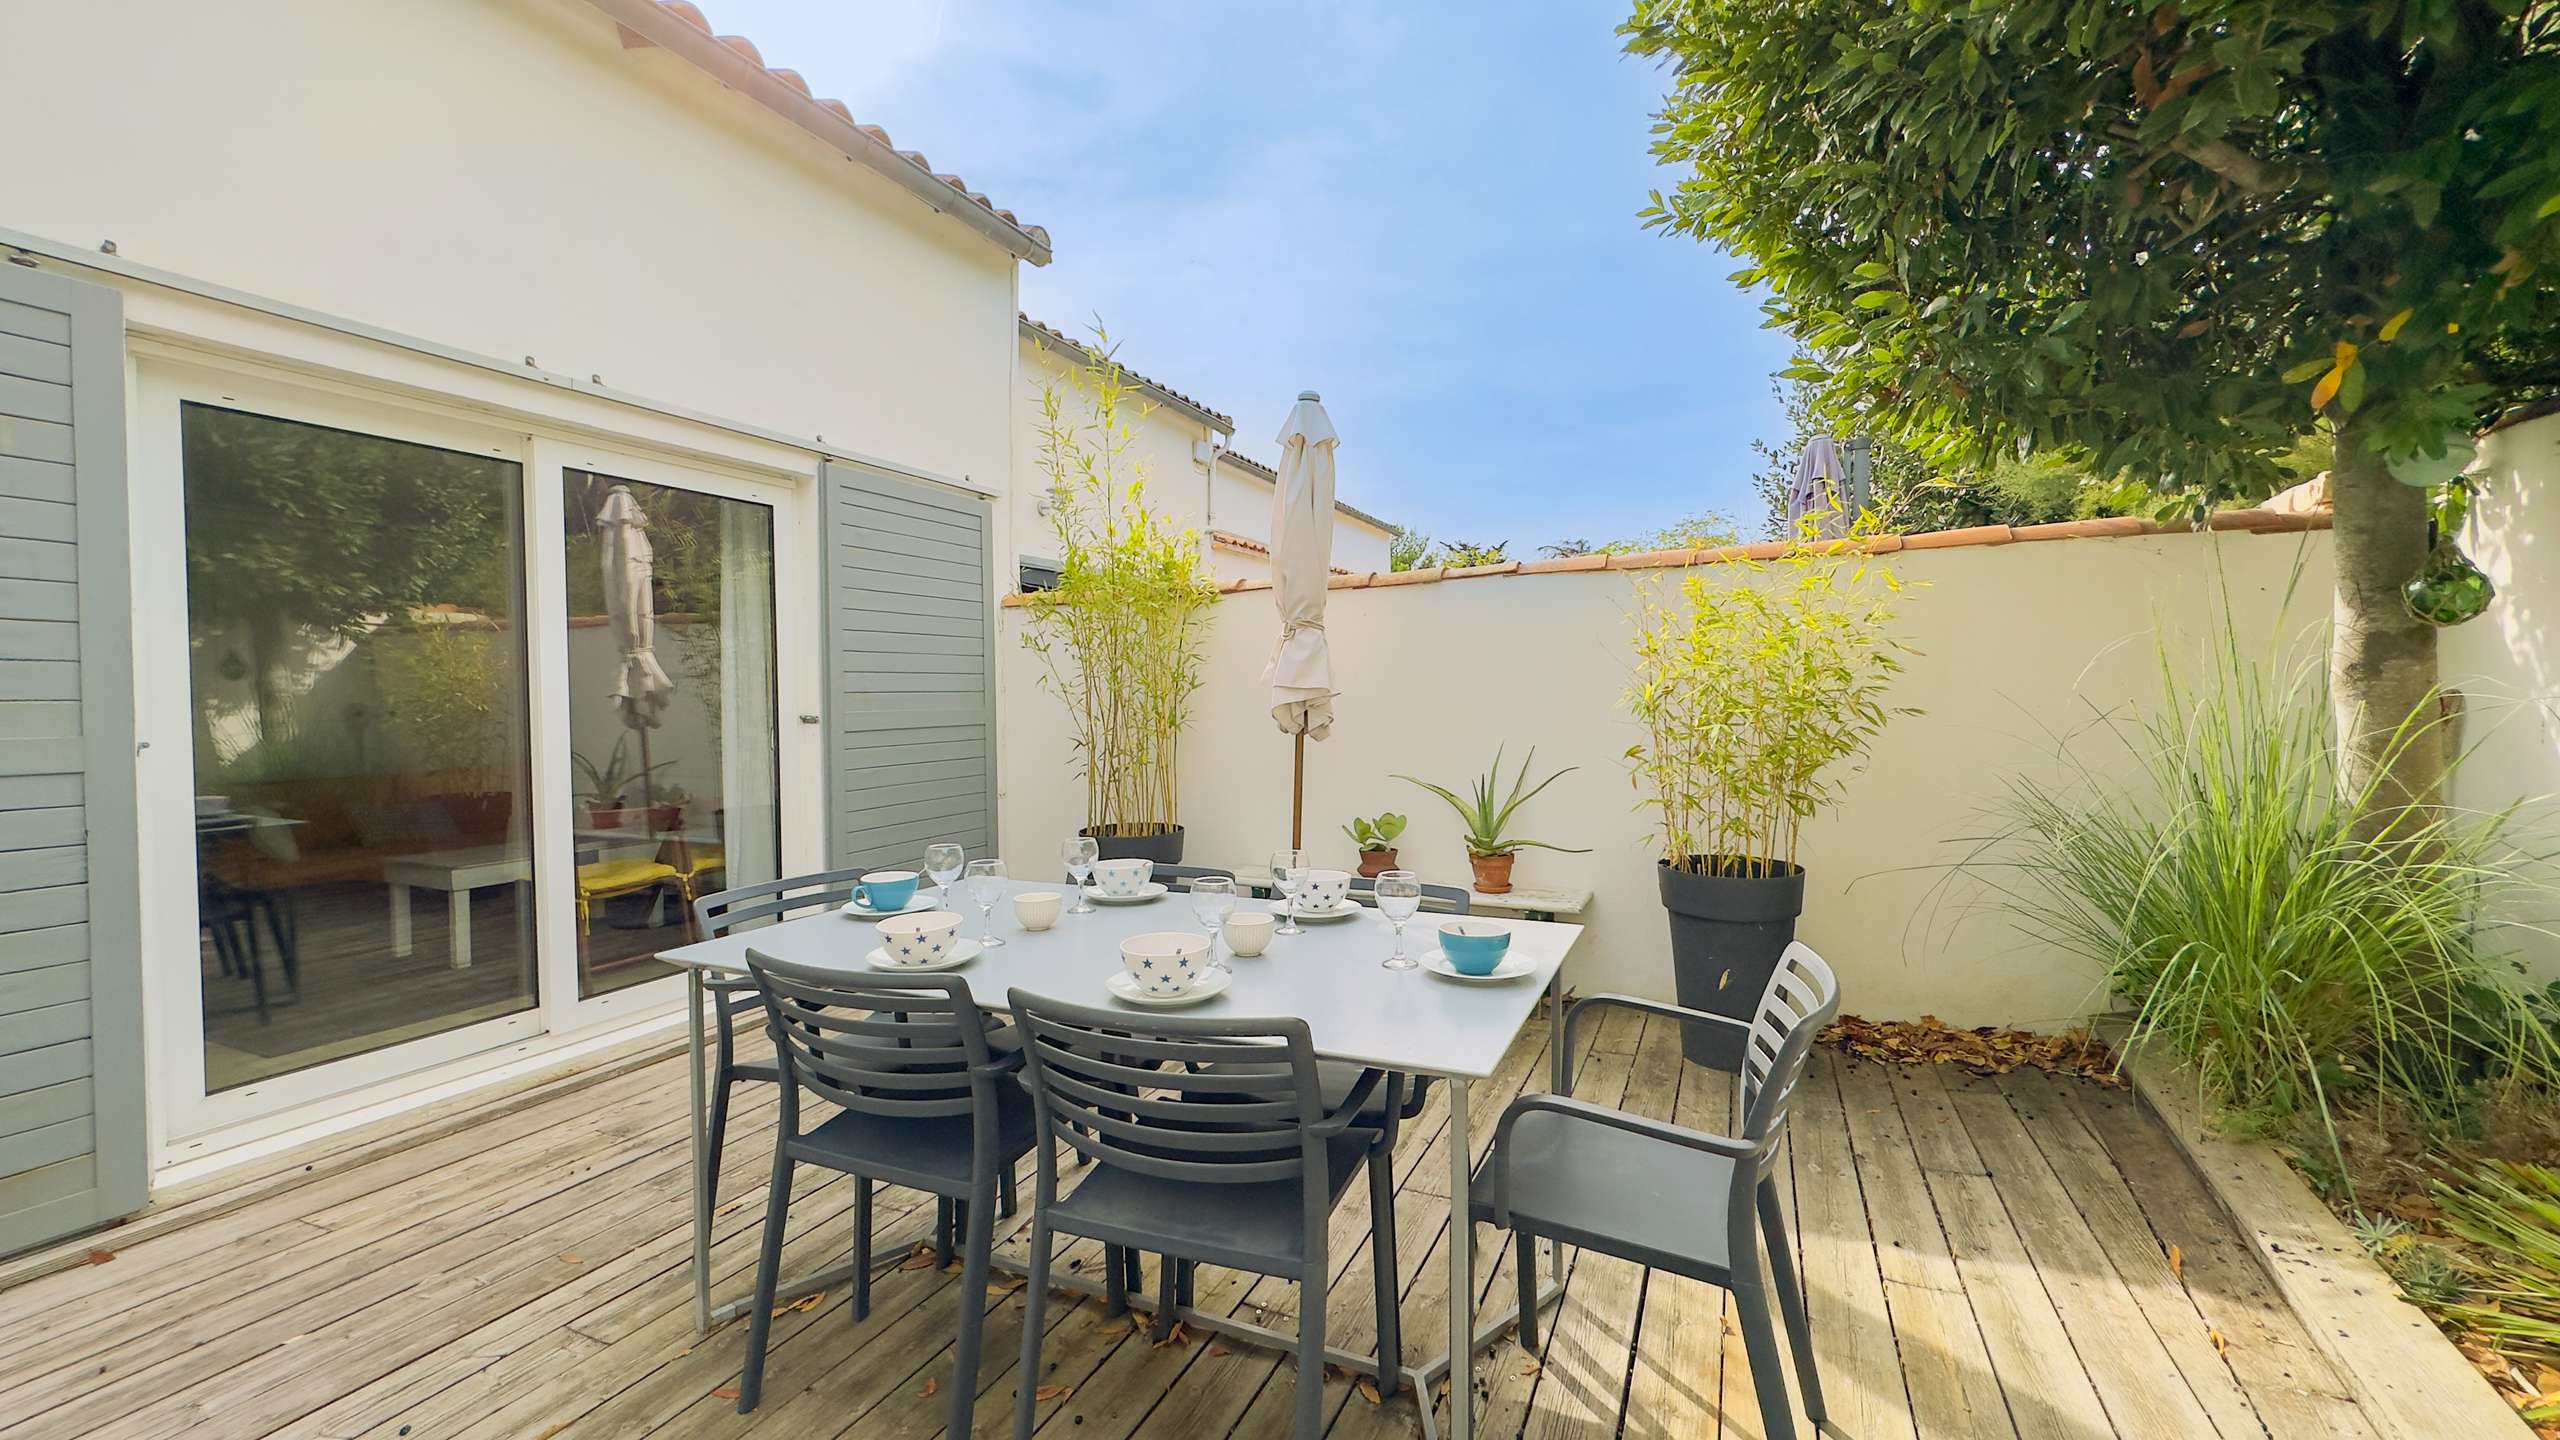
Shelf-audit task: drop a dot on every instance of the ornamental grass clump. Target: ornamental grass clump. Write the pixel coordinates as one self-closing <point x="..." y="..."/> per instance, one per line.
<point x="2231" y="896"/>
<point x="1118" y="636"/>
<point x="1757" y="698"/>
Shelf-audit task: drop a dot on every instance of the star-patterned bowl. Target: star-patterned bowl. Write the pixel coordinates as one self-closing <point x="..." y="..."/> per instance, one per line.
<point x="919" y="937"/>
<point x="1165" y="962"/>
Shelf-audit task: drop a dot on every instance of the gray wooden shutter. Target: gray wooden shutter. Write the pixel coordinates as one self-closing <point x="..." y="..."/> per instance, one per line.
<point x="910" y="669"/>
<point x="72" y="1146"/>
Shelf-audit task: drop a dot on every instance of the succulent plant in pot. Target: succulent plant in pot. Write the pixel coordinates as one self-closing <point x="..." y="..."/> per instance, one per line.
<point x="1758" y="693"/>
<point x="1486" y="813"/>
<point x="1377" y="842"/>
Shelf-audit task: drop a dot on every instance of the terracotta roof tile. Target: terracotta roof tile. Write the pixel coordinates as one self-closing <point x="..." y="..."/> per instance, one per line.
<point x="1057" y="339"/>
<point x="1954" y="539"/>
<point x="2252" y="522"/>
<point x="691" y="14"/>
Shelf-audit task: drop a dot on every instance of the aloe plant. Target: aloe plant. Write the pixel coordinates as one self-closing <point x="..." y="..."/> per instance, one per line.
<point x="1487" y="819"/>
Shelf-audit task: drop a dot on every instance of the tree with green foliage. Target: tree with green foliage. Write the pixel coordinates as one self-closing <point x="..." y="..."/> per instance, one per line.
<point x="2169" y="237"/>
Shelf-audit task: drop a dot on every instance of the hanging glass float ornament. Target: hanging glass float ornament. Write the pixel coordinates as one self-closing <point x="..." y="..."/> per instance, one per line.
<point x="2448" y="589"/>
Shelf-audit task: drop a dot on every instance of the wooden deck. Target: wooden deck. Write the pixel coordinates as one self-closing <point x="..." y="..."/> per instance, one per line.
<point x="2022" y="1257"/>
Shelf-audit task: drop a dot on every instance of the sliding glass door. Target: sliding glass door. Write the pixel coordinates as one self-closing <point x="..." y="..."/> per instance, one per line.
<point x="471" y="718"/>
<point x="356" y="648"/>
<point x="670" y="661"/>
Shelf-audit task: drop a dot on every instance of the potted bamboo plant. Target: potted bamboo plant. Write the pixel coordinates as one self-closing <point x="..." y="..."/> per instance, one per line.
<point x="1757" y="698"/>
<point x="1486" y="814"/>
<point x="1118" y="636"/>
<point x="1377" y="842"/>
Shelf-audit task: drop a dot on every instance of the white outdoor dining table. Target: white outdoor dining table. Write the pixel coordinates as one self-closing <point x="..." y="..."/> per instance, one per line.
<point x="1404" y="1020"/>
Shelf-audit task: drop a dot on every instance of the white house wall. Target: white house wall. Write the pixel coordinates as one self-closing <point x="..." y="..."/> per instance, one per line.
<point x="503" y="176"/>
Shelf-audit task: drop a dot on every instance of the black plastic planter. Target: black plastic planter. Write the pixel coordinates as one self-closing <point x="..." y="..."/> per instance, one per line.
<point x="1727" y="933"/>
<point x="1164" y="847"/>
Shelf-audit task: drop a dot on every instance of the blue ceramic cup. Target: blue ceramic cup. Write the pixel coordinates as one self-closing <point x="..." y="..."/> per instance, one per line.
<point x="1473" y="947"/>
<point x="886" y="890"/>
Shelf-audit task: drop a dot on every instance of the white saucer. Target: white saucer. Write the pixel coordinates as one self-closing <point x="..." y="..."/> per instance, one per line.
<point x="1342" y="911"/>
<point x="1152" y="890"/>
<point x="963" y="951"/>
<point x="1124" y="987"/>
<point x="860" y="911"/>
<point x="1511" y="968"/>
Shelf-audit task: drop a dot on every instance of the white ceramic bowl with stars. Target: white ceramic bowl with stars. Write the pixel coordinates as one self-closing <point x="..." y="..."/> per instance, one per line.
<point x="1165" y="962"/>
<point x="919" y="937"/>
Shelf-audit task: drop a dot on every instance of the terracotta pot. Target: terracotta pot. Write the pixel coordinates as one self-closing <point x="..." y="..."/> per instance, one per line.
<point x="603" y="819"/>
<point x="666" y="819"/>
<point x="1374" y="863"/>
<point x="1493" y="873"/>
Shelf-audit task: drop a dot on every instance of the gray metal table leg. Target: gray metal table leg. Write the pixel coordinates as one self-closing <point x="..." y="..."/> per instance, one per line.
<point x="1462" y="1288"/>
<point x="701" y="1144"/>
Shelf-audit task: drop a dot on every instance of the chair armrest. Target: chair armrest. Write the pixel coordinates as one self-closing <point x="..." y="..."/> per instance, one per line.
<point x="1713" y="1144"/>
<point x="1352" y="1104"/>
<point x="1631" y="1002"/>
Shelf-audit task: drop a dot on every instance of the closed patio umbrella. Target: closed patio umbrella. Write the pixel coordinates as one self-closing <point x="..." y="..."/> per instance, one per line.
<point x="641" y="688"/>
<point x="1818" y="490"/>
<point x="1300" y="672"/>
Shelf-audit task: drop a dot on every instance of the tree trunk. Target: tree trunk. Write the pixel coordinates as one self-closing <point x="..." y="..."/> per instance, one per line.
<point x="2382" y="660"/>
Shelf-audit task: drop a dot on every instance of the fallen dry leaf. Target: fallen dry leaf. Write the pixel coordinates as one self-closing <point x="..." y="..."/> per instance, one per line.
<point x="1368" y="1389"/>
<point x="2177" y="1262"/>
<point x="725" y="1392"/>
<point x="2221" y="1346"/>
<point x="99" y="1257"/>
<point x="1529" y="1366"/>
<point x="1175" y="1336"/>
<point x="571" y="1260"/>
<point x="804" y="1304"/>
<point x="1047" y="1393"/>
<point x="932" y="1386"/>
<point x="1217" y="1350"/>
<point x="921" y="1258"/>
<point x="1989" y="1050"/>
<point x="1335" y="1372"/>
<point x="1729" y="1327"/>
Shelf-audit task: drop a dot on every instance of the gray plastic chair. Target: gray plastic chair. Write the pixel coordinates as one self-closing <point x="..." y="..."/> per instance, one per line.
<point x="1668" y="1197"/>
<point x="1241" y="1167"/>
<point x="923" y="1101"/>
<point x="1436" y="899"/>
<point x="716" y="915"/>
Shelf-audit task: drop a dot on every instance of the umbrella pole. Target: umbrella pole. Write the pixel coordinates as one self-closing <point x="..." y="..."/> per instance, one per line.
<point x="1298" y="792"/>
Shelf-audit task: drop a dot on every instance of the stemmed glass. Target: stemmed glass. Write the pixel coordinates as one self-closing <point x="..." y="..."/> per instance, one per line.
<point x="1288" y="867"/>
<point x="1080" y="854"/>
<point x="986" y="886"/>
<point x="942" y="861"/>
<point x="1213" y="899"/>
<point x="1399" y="896"/>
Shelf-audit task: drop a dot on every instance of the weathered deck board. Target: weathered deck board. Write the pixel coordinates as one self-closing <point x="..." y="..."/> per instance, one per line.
<point x="1973" y="1251"/>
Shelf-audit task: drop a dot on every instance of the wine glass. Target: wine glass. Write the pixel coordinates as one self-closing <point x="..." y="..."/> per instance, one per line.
<point x="986" y="886"/>
<point x="1399" y="896"/>
<point x="1080" y="854"/>
<point x="942" y="861"/>
<point x="1213" y="899"/>
<point x="1288" y="867"/>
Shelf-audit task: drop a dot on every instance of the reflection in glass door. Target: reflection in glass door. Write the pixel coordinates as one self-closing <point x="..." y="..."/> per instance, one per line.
<point x="358" y="694"/>
<point x="671" y="713"/>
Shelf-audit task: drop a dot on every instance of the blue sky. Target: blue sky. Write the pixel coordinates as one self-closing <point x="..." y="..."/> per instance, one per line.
<point x="1426" y="214"/>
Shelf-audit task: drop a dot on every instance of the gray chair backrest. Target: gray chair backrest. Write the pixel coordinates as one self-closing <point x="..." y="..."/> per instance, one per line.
<point x="1801" y="997"/>
<point x="1437" y="899"/>
<point x="1231" y="1101"/>
<point x="723" y="911"/>
<point x="905" y="1048"/>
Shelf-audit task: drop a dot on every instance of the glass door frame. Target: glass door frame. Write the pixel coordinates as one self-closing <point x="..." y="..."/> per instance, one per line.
<point x="554" y="809"/>
<point x="185" y="1119"/>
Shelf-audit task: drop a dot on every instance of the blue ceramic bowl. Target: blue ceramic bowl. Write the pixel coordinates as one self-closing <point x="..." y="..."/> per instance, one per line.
<point x="1473" y="947"/>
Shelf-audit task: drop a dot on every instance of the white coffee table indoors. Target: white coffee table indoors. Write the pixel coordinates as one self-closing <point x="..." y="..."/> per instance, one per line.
<point x="1403" y="1020"/>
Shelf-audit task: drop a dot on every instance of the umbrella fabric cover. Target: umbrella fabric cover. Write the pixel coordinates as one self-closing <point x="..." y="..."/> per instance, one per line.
<point x="1300" y="672"/>
<point x="1818" y="487"/>
<point x="640" y="685"/>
